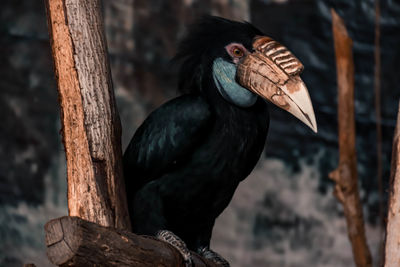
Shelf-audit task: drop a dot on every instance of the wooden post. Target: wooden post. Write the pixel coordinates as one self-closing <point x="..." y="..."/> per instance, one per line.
<point x="345" y="176"/>
<point x="90" y="123"/>
<point x="392" y="250"/>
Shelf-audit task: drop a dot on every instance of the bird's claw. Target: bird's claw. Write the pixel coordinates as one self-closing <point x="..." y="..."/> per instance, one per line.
<point x="213" y="256"/>
<point x="174" y="240"/>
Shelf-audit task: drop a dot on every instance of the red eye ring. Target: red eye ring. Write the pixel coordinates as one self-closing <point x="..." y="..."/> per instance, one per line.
<point x="236" y="51"/>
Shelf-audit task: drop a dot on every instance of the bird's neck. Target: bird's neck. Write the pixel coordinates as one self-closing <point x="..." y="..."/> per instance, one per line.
<point x="227" y="111"/>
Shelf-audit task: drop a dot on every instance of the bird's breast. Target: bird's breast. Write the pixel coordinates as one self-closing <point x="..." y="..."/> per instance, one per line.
<point x="214" y="170"/>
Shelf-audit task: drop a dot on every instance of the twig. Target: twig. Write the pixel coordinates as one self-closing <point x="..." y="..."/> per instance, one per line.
<point x="345" y="176"/>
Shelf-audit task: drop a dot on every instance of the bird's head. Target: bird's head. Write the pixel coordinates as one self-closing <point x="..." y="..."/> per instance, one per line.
<point x="235" y="61"/>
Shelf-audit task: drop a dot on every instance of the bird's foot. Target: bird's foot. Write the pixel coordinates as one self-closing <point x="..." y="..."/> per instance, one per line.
<point x="174" y="240"/>
<point x="213" y="256"/>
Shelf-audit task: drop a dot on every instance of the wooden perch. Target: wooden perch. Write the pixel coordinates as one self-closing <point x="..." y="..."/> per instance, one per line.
<point x="345" y="176"/>
<point x="392" y="250"/>
<point x="72" y="241"/>
<point x="90" y="123"/>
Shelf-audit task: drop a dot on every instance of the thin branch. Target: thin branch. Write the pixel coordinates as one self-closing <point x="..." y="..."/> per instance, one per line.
<point x="345" y="176"/>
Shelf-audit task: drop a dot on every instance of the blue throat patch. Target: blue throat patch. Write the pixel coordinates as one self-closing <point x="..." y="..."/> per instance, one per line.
<point x="224" y="78"/>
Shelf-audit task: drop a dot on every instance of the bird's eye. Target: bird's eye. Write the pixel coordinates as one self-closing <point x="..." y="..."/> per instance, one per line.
<point x="237" y="52"/>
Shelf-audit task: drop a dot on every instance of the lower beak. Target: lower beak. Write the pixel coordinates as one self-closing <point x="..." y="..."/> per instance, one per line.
<point x="272" y="72"/>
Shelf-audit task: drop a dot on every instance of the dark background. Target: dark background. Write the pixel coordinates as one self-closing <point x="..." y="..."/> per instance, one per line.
<point x="284" y="214"/>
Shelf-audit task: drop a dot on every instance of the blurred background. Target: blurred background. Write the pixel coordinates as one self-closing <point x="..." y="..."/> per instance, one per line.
<point x="284" y="214"/>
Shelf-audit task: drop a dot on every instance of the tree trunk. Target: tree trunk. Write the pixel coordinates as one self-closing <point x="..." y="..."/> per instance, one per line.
<point x="392" y="251"/>
<point x="90" y="123"/>
<point x="345" y="176"/>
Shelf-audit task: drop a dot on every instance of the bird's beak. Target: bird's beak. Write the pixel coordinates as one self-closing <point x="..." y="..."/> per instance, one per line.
<point x="272" y="72"/>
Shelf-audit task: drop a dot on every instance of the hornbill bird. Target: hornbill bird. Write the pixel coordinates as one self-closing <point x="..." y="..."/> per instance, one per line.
<point x="186" y="160"/>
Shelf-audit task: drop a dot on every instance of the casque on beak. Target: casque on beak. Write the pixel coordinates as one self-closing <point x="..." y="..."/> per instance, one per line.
<point x="272" y="72"/>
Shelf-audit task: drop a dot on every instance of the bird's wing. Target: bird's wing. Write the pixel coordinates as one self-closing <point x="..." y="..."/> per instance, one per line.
<point x="165" y="139"/>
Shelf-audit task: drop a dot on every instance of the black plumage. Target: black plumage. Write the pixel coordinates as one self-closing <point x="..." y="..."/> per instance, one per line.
<point x="186" y="160"/>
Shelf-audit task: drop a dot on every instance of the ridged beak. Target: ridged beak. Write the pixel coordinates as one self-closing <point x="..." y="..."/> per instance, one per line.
<point x="272" y="72"/>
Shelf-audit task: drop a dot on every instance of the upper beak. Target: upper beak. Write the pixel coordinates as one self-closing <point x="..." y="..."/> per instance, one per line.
<point x="272" y="72"/>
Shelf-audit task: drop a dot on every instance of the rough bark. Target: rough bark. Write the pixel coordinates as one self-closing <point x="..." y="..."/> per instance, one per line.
<point x="90" y="123"/>
<point x="345" y="176"/>
<point x="72" y="241"/>
<point x="392" y="249"/>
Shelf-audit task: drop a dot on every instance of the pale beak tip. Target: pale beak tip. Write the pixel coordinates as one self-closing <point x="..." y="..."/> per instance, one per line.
<point x="315" y="130"/>
<point x="312" y="125"/>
